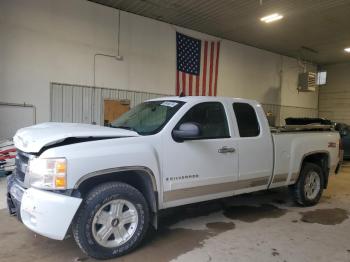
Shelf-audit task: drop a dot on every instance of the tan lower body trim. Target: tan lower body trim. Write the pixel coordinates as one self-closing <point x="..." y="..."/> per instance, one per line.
<point x="332" y="169"/>
<point x="294" y="177"/>
<point x="213" y="189"/>
<point x="279" y="178"/>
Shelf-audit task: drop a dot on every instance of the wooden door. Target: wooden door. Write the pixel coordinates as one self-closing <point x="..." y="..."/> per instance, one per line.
<point x="114" y="109"/>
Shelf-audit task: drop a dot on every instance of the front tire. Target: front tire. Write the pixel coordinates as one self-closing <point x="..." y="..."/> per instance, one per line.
<point x="309" y="187"/>
<point x="112" y="220"/>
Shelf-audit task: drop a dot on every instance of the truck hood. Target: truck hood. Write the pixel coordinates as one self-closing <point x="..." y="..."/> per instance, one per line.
<point x="32" y="139"/>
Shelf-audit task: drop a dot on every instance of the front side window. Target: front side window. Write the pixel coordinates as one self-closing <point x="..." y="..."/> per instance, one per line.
<point x="211" y="117"/>
<point x="148" y="118"/>
<point x="247" y="121"/>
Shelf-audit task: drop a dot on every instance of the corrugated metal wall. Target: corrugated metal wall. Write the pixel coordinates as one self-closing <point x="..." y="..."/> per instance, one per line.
<point x="334" y="98"/>
<point x="335" y="105"/>
<point x="84" y="104"/>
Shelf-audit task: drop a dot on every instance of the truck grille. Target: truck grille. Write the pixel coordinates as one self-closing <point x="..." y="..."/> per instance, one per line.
<point x="21" y="165"/>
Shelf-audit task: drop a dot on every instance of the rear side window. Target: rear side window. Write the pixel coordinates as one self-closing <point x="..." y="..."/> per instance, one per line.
<point x="247" y="121"/>
<point x="212" y="118"/>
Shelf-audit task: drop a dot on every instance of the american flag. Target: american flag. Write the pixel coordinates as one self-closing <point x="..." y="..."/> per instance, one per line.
<point x="197" y="66"/>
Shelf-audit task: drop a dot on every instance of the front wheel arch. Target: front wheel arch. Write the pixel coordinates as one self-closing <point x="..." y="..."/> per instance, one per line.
<point x="141" y="179"/>
<point x="83" y="223"/>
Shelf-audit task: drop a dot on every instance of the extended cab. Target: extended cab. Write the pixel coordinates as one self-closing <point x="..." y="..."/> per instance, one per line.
<point x="107" y="184"/>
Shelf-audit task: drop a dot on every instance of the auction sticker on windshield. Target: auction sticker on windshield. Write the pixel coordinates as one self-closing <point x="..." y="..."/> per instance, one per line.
<point x="168" y="103"/>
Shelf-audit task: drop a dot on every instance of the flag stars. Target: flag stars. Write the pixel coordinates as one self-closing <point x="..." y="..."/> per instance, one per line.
<point x="188" y="54"/>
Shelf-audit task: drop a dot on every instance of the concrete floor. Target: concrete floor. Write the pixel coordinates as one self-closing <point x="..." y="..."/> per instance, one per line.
<point x="265" y="226"/>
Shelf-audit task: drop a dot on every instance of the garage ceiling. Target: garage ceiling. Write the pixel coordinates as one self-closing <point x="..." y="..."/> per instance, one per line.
<point x="314" y="30"/>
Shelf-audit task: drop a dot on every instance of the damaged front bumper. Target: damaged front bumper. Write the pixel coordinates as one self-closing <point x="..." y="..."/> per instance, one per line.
<point x="14" y="196"/>
<point x="46" y="213"/>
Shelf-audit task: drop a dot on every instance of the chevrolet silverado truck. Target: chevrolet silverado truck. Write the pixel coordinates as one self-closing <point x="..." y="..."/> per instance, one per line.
<point x="107" y="185"/>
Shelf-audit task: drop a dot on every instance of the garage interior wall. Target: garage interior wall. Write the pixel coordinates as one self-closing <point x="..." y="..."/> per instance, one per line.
<point x="334" y="99"/>
<point x="25" y="116"/>
<point x="44" y="41"/>
<point x="84" y="104"/>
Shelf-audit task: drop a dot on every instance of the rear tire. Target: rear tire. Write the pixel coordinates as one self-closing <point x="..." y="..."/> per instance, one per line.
<point x="309" y="187"/>
<point x="112" y="220"/>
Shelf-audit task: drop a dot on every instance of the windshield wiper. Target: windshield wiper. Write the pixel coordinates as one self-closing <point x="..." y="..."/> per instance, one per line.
<point x="126" y="127"/>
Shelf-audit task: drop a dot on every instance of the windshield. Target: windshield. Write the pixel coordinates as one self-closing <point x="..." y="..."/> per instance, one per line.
<point x="148" y="118"/>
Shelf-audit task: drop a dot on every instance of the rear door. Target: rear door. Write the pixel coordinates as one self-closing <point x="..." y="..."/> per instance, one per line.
<point x="255" y="147"/>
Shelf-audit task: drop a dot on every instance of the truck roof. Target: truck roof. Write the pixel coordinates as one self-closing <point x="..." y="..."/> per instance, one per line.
<point x="205" y="98"/>
<point x="284" y="129"/>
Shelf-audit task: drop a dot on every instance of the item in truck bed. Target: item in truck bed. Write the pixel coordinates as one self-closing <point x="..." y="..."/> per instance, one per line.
<point x="307" y="121"/>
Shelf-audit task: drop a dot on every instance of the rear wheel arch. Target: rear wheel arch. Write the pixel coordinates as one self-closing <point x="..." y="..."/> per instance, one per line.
<point x="307" y="191"/>
<point x="319" y="158"/>
<point x="141" y="178"/>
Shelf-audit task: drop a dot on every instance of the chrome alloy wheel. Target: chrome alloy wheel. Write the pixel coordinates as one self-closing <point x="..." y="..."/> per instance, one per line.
<point x="312" y="185"/>
<point x="115" y="223"/>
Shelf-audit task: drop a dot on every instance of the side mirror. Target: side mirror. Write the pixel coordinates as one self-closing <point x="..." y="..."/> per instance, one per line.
<point x="186" y="131"/>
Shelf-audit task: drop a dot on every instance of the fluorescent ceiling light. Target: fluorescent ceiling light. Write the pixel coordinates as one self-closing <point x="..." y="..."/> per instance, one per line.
<point x="347" y="49"/>
<point x="271" y="18"/>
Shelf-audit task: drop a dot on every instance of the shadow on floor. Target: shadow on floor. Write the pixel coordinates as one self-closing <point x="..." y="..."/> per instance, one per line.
<point x="19" y="244"/>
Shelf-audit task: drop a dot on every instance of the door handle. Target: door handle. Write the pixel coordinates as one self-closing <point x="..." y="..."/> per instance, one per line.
<point x="226" y="149"/>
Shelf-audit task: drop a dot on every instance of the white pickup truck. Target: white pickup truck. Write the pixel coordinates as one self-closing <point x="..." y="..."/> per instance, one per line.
<point x="106" y="185"/>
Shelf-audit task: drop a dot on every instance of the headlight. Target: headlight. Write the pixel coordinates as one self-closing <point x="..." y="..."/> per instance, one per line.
<point x="50" y="173"/>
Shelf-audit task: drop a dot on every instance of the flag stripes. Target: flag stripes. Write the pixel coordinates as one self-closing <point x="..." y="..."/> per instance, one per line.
<point x="204" y="83"/>
<point x="216" y="68"/>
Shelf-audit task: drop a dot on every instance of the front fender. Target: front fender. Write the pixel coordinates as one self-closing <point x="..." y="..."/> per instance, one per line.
<point x="103" y="155"/>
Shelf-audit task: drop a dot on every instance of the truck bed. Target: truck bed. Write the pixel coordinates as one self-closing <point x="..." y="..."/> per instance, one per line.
<point x="293" y="143"/>
<point x="302" y="128"/>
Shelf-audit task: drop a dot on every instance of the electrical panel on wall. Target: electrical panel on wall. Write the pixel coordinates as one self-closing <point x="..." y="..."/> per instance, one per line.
<point x="307" y="82"/>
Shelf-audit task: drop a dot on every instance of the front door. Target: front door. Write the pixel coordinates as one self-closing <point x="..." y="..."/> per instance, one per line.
<point x="201" y="169"/>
